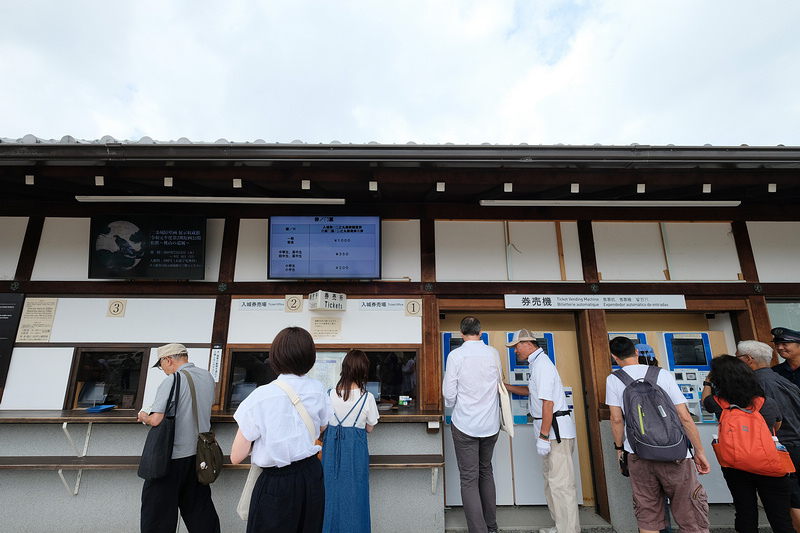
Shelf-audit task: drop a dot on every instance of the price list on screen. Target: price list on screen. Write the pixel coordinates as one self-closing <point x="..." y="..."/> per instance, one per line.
<point x="325" y="247"/>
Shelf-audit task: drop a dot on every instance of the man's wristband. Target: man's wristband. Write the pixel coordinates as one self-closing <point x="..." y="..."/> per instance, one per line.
<point x="619" y="448"/>
<point x="544" y="437"/>
<point x="706" y="384"/>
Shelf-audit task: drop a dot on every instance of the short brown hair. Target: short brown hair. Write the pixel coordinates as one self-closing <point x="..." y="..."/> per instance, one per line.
<point x="292" y="352"/>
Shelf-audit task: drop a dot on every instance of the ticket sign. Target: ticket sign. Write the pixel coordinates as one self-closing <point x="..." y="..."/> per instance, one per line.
<point x="595" y="301"/>
<point x="308" y="247"/>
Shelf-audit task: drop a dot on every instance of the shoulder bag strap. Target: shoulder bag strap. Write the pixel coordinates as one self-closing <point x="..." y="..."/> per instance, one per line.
<point x="172" y="400"/>
<point x="194" y="399"/>
<point x="295" y="399"/>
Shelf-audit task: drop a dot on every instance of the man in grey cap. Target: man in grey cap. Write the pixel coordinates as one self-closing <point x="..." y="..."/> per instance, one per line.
<point x="556" y="441"/>
<point x="162" y="498"/>
<point x="758" y="356"/>
<point x="787" y="344"/>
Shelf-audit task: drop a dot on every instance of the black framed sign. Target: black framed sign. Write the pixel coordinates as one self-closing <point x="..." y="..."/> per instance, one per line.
<point x="10" y="313"/>
<point x="147" y="247"/>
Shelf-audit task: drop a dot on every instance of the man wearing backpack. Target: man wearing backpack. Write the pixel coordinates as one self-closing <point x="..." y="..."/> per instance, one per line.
<point x="652" y="479"/>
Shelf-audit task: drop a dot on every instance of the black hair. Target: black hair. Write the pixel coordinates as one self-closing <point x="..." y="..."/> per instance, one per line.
<point x="622" y="347"/>
<point x="470" y="326"/>
<point x="293" y="352"/>
<point x="734" y="381"/>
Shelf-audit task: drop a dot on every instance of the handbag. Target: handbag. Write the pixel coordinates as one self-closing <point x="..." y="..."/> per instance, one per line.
<point x="506" y="416"/>
<point x="157" y="452"/>
<point x="243" y="507"/>
<point x="208" y="461"/>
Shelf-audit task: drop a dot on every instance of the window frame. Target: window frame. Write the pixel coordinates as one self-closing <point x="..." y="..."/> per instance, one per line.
<point x="70" y="397"/>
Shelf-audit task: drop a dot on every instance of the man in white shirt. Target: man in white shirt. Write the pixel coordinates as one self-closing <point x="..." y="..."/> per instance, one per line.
<point x="652" y="480"/>
<point x="470" y="388"/>
<point x="551" y="418"/>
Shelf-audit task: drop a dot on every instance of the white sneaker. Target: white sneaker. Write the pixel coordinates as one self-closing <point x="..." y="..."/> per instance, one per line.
<point x="553" y="529"/>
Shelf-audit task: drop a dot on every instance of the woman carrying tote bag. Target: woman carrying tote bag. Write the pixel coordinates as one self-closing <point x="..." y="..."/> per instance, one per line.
<point x="289" y="495"/>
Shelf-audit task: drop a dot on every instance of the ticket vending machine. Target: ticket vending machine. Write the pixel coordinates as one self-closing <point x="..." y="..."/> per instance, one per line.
<point x="501" y="462"/>
<point x="527" y="465"/>
<point x="689" y="358"/>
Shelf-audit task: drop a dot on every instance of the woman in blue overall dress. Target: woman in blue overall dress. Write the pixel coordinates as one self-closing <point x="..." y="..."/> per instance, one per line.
<point x="345" y="455"/>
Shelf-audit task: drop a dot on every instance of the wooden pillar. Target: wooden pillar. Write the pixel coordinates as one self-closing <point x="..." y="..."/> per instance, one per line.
<point x="595" y="366"/>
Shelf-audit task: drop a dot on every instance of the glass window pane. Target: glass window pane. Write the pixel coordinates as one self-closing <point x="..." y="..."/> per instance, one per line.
<point x="108" y="377"/>
<point x="250" y="369"/>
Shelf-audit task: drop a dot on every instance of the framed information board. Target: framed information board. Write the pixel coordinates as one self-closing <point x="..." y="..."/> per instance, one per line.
<point x="324" y="247"/>
<point x="147" y="247"/>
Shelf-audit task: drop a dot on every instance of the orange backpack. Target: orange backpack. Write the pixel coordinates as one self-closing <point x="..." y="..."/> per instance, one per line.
<point x="745" y="441"/>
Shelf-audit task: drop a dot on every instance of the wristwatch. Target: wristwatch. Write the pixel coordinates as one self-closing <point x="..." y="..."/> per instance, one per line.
<point x="544" y="437"/>
<point x="619" y="448"/>
<point x="706" y="384"/>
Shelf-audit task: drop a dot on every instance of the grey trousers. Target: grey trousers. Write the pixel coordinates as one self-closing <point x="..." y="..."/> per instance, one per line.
<point x="478" y="495"/>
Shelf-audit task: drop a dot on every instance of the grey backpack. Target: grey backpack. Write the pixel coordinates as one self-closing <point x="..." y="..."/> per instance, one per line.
<point x="652" y="424"/>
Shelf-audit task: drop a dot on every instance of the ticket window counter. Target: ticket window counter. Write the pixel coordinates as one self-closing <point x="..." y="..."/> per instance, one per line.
<point x="517" y="467"/>
<point x="392" y="375"/>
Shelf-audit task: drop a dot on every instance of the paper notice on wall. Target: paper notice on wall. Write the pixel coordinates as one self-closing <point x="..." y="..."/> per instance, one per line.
<point x="326" y="328"/>
<point x="37" y="318"/>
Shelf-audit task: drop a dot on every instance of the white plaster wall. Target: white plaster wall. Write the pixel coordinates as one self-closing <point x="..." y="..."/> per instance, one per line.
<point x="776" y="247"/>
<point x="29" y="387"/>
<point x="470" y="251"/>
<point x="629" y="251"/>
<point x="251" y="252"/>
<point x="215" y="227"/>
<point x="63" y="253"/>
<point x="159" y="320"/>
<point x="12" y="233"/>
<point x="362" y="326"/>
<point x="701" y="251"/>
<point x="400" y="250"/>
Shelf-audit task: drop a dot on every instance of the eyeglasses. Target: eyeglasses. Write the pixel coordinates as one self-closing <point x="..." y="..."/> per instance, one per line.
<point x="158" y="364"/>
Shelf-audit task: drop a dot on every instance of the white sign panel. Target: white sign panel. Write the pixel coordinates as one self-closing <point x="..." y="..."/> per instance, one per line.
<point x="595" y="301"/>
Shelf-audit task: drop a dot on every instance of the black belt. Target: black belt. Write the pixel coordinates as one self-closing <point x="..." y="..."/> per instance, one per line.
<point x="555" y="423"/>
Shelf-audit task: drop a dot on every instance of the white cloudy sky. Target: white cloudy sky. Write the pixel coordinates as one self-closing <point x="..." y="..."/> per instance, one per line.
<point x="685" y="72"/>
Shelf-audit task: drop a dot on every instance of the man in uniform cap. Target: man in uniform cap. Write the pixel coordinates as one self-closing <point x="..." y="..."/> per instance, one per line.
<point x="787" y="344"/>
<point x="551" y="418"/>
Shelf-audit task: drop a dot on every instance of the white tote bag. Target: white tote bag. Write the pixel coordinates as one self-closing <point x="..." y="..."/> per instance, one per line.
<point x="506" y="417"/>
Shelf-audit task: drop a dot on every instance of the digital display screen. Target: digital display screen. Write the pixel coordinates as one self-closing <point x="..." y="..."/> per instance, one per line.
<point x="324" y="247"/>
<point x="689" y="352"/>
<point x="147" y="247"/>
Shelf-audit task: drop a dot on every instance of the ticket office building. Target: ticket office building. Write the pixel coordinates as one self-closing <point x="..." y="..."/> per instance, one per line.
<point x="675" y="246"/>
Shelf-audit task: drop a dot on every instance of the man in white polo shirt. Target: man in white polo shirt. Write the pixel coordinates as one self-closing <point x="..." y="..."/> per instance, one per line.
<point x="551" y="418"/>
<point x="470" y="388"/>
